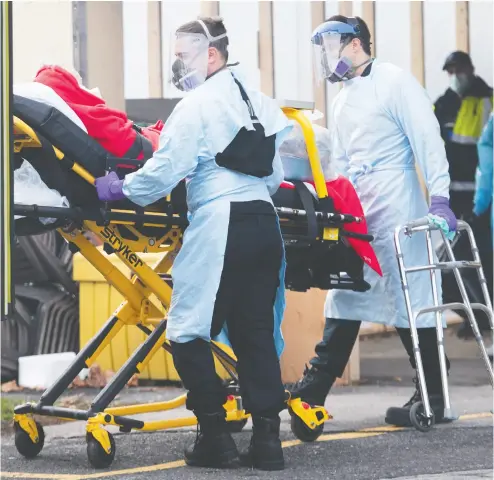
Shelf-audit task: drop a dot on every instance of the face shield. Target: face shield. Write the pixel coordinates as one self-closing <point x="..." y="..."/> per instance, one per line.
<point x="191" y="64"/>
<point x="328" y="60"/>
<point x="191" y="51"/>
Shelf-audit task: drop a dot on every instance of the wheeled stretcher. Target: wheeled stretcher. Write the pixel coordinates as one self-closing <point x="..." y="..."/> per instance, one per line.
<point x="421" y="414"/>
<point x="67" y="160"/>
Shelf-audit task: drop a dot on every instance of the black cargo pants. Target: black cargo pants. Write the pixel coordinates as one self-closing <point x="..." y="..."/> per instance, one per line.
<point x="245" y="301"/>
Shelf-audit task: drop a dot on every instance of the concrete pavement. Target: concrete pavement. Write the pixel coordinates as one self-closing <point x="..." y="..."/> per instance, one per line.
<point x="371" y="454"/>
<point x="356" y="444"/>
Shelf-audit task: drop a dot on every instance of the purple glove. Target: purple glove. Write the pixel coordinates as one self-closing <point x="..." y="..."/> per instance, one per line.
<point x="440" y="207"/>
<point x="109" y="188"/>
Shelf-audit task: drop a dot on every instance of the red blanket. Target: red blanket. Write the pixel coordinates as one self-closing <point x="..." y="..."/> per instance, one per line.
<point x="109" y="127"/>
<point x="346" y="201"/>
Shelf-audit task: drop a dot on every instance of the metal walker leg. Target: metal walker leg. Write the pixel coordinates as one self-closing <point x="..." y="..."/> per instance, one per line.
<point x="428" y="415"/>
<point x="421" y="414"/>
<point x="448" y="413"/>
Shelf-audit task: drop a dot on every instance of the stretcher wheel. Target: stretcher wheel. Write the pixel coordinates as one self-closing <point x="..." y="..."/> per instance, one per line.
<point x="96" y="455"/>
<point x="236" y="426"/>
<point x="418" y="418"/>
<point x="303" y="432"/>
<point x="25" y="446"/>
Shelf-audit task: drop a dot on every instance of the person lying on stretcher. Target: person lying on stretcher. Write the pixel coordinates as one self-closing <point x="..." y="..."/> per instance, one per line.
<point x="110" y="127"/>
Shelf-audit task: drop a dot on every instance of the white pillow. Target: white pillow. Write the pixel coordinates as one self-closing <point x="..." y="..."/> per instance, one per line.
<point x="42" y="93"/>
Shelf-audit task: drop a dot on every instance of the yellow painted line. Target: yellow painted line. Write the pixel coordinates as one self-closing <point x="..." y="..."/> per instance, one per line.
<point x="383" y="429"/>
<point x="290" y="443"/>
<point x="150" y="468"/>
<point x="471" y="416"/>
<point x="364" y="433"/>
<point x="114" y="473"/>
<point x="334" y="436"/>
<point x="347" y="436"/>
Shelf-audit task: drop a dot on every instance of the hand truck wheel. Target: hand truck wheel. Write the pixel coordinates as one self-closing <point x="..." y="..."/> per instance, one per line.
<point x="98" y="457"/>
<point x="25" y="446"/>
<point x="236" y="426"/>
<point x="303" y="432"/>
<point x="418" y="418"/>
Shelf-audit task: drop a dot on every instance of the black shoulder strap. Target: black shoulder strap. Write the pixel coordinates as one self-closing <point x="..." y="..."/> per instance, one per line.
<point x="141" y="143"/>
<point x="308" y="204"/>
<point x="147" y="147"/>
<point x="246" y="99"/>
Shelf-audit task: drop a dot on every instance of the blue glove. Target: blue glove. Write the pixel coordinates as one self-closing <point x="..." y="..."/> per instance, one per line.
<point x="442" y="216"/>
<point x="109" y="188"/>
<point x="440" y="208"/>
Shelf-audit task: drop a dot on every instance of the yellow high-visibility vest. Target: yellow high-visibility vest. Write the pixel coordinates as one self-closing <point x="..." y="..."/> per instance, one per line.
<point x="472" y="116"/>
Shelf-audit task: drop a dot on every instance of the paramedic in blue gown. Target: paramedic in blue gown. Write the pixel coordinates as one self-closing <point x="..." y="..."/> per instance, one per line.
<point x="223" y="139"/>
<point x="382" y="122"/>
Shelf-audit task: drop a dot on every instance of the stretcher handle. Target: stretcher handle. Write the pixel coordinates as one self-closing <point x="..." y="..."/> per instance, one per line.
<point x="311" y="146"/>
<point x="331" y="217"/>
<point x="347" y="218"/>
<point x="359" y="236"/>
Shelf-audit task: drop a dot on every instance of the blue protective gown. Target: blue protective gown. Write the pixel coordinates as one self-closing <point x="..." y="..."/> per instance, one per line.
<point x="484" y="195"/>
<point x="382" y="123"/>
<point x="204" y="123"/>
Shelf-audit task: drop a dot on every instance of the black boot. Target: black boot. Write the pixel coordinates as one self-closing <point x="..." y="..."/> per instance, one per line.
<point x="214" y="446"/>
<point x="313" y="387"/>
<point x="400" y="416"/>
<point x="264" y="452"/>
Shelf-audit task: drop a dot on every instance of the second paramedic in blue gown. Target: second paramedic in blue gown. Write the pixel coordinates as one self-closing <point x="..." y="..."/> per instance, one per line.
<point x="223" y="138"/>
<point x="383" y="125"/>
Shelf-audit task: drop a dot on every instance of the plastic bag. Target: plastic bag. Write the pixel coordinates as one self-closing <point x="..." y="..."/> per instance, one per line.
<point x="313" y="115"/>
<point x="29" y="189"/>
<point x="295" y="159"/>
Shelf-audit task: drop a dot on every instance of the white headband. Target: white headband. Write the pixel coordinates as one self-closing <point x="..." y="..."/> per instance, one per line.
<point x="208" y="35"/>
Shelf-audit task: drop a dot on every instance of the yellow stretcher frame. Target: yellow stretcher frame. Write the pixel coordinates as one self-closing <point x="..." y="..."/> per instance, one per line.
<point x="140" y="310"/>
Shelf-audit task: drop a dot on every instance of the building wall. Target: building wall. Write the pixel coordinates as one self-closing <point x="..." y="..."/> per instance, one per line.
<point x="292" y="56"/>
<point x="136" y="66"/>
<point x="481" y="38"/>
<point x="242" y="22"/>
<point x="331" y="8"/>
<point x="104" y="55"/>
<point x="42" y="33"/>
<point x="50" y="24"/>
<point x="438" y="47"/>
<point x="393" y="33"/>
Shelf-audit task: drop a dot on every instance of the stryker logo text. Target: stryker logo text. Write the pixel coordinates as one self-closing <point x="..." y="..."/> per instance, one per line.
<point x="120" y="247"/>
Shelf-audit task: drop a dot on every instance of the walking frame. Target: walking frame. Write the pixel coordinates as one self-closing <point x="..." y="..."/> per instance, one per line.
<point x="148" y="290"/>
<point x="421" y="414"/>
